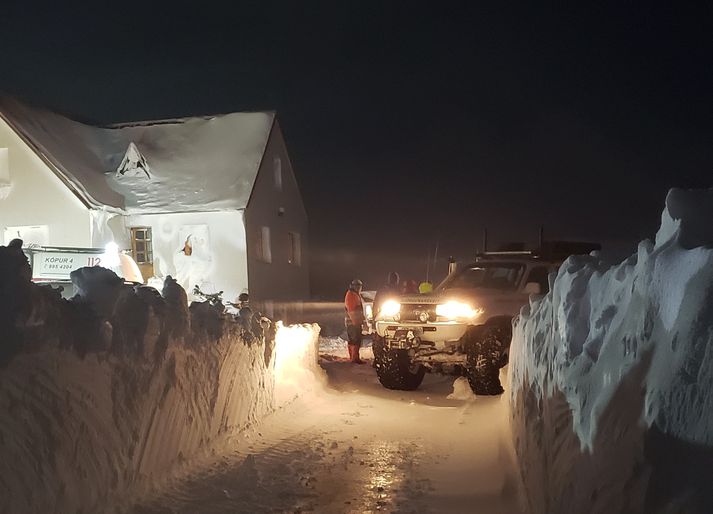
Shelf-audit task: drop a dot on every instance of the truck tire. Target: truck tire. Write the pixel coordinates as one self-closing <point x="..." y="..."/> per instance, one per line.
<point x="486" y="351"/>
<point x="395" y="371"/>
<point x="502" y="326"/>
<point x="377" y="347"/>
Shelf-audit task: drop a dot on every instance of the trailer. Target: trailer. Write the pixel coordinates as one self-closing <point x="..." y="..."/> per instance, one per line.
<point x="53" y="265"/>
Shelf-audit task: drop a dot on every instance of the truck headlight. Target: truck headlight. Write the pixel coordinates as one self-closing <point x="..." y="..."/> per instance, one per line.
<point x="390" y="308"/>
<point x="457" y="310"/>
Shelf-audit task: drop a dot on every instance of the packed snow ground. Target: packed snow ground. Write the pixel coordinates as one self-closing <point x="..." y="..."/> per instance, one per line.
<point x="333" y="348"/>
<point x="349" y="445"/>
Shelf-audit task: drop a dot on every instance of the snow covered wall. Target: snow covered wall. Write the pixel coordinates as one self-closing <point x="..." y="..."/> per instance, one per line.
<point x="612" y="376"/>
<point x="107" y="396"/>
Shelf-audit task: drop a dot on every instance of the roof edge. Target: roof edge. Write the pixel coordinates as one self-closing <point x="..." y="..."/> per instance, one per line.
<point x="192" y="211"/>
<point x="182" y="119"/>
<point x="262" y="159"/>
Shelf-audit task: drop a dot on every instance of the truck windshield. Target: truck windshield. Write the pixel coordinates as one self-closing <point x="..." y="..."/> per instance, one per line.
<point x="505" y="276"/>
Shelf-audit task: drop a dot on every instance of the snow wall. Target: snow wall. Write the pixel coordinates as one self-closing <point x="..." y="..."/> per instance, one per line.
<point x="612" y="376"/>
<point x="106" y="397"/>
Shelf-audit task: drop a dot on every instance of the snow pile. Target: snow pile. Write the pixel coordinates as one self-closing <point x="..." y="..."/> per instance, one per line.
<point x="296" y="368"/>
<point x="335" y="348"/>
<point x="79" y="434"/>
<point x="98" y="288"/>
<point x="612" y="376"/>
<point x="461" y="390"/>
<point x="105" y="397"/>
<point x="203" y="163"/>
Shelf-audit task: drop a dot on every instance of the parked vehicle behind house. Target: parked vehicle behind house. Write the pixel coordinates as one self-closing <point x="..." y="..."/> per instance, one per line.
<point x="53" y="265"/>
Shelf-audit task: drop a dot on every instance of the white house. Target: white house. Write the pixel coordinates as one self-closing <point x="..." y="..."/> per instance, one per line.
<point x="211" y="200"/>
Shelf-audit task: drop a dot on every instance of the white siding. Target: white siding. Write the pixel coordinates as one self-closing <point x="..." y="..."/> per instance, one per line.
<point x="4" y="167"/>
<point x="36" y="197"/>
<point x="218" y="261"/>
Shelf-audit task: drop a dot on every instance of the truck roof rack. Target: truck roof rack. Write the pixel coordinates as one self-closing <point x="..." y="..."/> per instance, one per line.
<point x="548" y="250"/>
<point x="508" y="253"/>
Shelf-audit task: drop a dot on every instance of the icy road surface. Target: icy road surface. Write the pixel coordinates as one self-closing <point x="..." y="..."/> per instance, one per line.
<point x="354" y="447"/>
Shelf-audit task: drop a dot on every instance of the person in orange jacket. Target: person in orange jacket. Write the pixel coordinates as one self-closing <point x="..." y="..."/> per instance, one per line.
<point x="354" y="319"/>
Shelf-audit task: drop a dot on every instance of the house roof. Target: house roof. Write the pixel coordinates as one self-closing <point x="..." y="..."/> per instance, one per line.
<point x="206" y="163"/>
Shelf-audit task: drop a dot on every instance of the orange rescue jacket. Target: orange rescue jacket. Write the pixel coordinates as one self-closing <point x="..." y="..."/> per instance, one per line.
<point x="354" y="308"/>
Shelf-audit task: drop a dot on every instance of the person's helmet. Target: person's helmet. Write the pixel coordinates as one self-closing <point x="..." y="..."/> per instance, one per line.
<point x="425" y="287"/>
<point x="356" y="283"/>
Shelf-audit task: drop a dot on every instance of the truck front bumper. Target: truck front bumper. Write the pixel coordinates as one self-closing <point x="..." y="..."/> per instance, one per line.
<point x="441" y="334"/>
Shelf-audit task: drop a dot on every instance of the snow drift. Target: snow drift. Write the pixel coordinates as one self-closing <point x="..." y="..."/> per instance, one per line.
<point x="105" y="397"/>
<point x="296" y="355"/>
<point x="612" y="376"/>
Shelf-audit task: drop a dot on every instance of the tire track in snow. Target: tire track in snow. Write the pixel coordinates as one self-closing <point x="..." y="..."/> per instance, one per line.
<point x="357" y="448"/>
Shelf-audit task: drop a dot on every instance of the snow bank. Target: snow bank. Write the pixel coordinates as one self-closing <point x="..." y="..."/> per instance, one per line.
<point x="95" y="411"/>
<point x="335" y="348"/>
<point x="612" y="376"/>
<point x="461" y="390"/>
<point x="297" y="371"/>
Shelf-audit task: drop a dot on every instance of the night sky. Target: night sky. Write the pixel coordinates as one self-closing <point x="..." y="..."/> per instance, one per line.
<point x="409" y="123"/>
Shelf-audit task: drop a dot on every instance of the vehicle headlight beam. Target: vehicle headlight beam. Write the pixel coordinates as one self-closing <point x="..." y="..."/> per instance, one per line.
<point x="390" y="308"/>
<point x="457" y="310"/>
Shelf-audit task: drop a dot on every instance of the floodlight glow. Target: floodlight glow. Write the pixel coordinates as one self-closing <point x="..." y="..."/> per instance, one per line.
<point x="390" y="308"/>
<point x="457" y="310"/>
<point x="296" y="368"/>
<point x="110" y="258"/>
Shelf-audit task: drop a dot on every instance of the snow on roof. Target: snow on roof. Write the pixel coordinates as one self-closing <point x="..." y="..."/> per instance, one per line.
<point x="193" y="164"/>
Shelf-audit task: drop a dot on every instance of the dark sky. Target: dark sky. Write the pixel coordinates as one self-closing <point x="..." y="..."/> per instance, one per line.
<point x="409" y="122"/>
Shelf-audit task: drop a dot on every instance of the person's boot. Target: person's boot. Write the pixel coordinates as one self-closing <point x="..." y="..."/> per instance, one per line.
<point x="356" y="359"/>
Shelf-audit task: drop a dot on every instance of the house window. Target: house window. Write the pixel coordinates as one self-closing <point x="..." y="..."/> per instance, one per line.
<point x="277" y="169"/>
<point x="264" y="248"/>
<point x="4" y="167"/>
<point x="142" y="245"/>
<point x="294" y="249"/>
